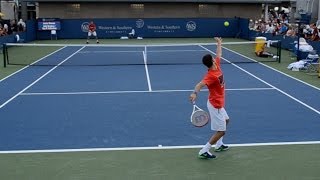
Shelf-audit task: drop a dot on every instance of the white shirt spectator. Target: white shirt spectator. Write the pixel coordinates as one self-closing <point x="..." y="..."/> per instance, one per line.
<point x="269" y="28"/>
<point x="22" y="23"/>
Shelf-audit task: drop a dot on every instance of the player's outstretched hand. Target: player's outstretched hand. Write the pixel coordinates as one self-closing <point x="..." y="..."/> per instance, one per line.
<point x="218" y="39"/>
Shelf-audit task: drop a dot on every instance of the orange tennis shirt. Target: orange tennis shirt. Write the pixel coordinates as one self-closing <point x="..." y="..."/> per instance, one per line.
<point x="215" y="83"/>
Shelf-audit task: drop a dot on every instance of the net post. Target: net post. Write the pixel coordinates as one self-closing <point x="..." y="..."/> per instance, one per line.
<point x="7" y="53"/>
<point x="319" y="70"/>
<point x="279" y="51"/>
<point x="4" y="47"/>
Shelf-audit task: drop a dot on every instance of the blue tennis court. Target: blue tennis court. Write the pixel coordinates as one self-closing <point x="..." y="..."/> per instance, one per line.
<point x="78" y="102"/>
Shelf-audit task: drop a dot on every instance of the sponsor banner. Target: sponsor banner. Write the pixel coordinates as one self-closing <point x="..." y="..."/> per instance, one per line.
<point x="150" y="27"/>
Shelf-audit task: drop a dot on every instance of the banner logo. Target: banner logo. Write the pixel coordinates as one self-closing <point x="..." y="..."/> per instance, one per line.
<point x="85" y="27"/>
<point x="139" y="23"/>
<point x="191" y="26"/>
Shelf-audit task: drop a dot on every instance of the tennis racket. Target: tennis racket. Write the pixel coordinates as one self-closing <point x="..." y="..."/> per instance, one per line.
<point x="199" y="117"/>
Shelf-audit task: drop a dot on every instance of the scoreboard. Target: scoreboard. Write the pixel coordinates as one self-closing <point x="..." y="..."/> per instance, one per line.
<point x="49" y="24"/>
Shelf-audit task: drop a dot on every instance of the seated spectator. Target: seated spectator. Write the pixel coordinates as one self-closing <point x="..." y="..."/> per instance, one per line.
<point x="291" y="31"/>
<point x="307" y="31"/>
<point x="251" y="24"/>
<point x="1" y="31"/>
<point x="315" y="33"/>
<point x="132" y="33"/>
<point x="5" y="29"/>
<point x="276" y="29"/>
<point x="283" y="29"/>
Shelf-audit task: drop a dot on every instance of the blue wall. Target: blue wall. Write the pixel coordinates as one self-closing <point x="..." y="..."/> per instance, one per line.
<point x="147" y="28"/>
<point x="243" y="27"/>
<point x="31" y="30"/>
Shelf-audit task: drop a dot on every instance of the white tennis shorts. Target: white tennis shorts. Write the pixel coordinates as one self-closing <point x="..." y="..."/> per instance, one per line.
<point x="92" y="33"/>
<point x="218" y="118"/>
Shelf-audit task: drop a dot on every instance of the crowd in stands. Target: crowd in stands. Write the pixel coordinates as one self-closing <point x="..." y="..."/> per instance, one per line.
<point x="278" y="24"/>
<point x="8" y="27"/>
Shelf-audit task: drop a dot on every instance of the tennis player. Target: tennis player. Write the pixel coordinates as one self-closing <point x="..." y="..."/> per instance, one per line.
<point x="92" y="32"/>
<point x="216" y="101"/>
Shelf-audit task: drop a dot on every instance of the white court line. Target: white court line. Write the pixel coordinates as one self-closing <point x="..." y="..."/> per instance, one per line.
<point x="34" y="82"/>
<point x="274" y="69"/>
<point x="121" y="92"/>
<point x="136" y="51"/>
<point x="153" y="147"/>
<point x="295" y="99"/>
<point x="146" y="67"/>
<point x="33" y="63"/>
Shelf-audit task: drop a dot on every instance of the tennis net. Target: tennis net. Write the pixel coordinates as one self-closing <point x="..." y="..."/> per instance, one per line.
<point x="113" y="54"/>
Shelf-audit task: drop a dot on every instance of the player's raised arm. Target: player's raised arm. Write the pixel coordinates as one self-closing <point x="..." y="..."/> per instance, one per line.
<point x="219" y="49"/>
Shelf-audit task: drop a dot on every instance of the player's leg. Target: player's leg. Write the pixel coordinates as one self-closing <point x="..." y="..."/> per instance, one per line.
<point x="89" y="35"/>
<point x="220" y="146"/>
<point x="95" y="35"/>
<point x="218" y="124"/>
<point x="204" y="153"/>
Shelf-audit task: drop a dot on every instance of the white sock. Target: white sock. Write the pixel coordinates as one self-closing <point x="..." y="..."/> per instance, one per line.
<point x="219" y="143"/>
<point x="205" y="148"/>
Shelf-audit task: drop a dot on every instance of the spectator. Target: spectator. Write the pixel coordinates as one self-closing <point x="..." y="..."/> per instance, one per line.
<point x="251" y="24"/>
<point x="315" y="33"/>
<point x="283" y="29"/>
<point x="21" y="25"/>
<point x="1" y="30"/>
<point x="13" y="27"/>
<point x="290" y="31"/>
<point x="5" y="29"/>
<point x="269" y="28"/>
<point x="307" y="31"/>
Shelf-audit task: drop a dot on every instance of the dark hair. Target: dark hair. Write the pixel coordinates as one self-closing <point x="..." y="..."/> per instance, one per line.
<point x="207" y="60"/>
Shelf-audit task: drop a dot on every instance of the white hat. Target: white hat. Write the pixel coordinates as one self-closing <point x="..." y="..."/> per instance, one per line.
<point x="302" y="41"/>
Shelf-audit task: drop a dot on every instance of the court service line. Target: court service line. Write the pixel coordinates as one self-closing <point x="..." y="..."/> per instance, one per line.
<point x="121" y="92"/>
<point x="85" y="52"/>
<point x="146" y="68"/>
<point x="295" y="99"/>
<point x="274" y="69"/>
<point x="34" y="82"/>
<point x="33" y="63"/>
<point x="158" y="147"/>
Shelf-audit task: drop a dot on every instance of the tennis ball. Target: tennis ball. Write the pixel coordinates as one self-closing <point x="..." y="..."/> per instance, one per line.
<point x="226" y="23"/>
